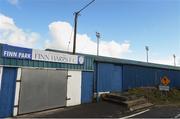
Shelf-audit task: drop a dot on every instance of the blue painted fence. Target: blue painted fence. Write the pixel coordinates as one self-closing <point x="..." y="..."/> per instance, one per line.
<point x="7" y="92"/>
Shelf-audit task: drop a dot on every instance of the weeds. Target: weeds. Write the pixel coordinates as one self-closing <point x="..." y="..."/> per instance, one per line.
<point x="154" y="95"/>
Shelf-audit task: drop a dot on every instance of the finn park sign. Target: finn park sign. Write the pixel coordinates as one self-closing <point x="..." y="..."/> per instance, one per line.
<point x="40" y="55"/>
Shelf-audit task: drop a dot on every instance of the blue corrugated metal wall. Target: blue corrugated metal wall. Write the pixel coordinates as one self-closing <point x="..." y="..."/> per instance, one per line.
<point x="87" y="87"/>
<point x="137" y="76"/>
<point x="109" y="77"/>
<point x="116" y="83"/>
<point x="177" y="79"/>
<point x="104" y="77"/>
<point x="7" y="92"/>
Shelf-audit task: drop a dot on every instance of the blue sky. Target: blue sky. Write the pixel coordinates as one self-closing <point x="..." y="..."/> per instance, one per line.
<point x="155" y="23"/>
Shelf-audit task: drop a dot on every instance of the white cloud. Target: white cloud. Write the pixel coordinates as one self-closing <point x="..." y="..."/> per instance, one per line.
<point x="167" y="61"/>
<point x="13" y="2"/>
<point x="11" y="34"/>
<point x="61" y="32"/>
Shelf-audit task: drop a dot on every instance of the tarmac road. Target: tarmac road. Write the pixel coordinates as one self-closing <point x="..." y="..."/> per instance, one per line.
<point x="161" y="112"/>
<point x="100" y="110"/>
<point x="107" y="110"/>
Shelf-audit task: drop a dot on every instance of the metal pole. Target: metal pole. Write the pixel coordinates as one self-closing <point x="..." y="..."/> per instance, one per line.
<point x="147" y="49"/>
<point x="75" y="30"/>
<point x="75" y="24"/>
<point x="97" y="46"/>
<point x="174" y="59"/>
<point x="98" y="37"/>
<point x="147" y="56"/>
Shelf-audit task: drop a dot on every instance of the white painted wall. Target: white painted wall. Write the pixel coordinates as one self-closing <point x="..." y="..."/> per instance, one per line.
<point x="15" y="111"/>
<point x="74" y="88"/>
<point x="1" y="72"/>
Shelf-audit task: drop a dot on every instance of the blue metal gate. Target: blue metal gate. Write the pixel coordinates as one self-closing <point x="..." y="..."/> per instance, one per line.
<point x="7" y="92"/>
<point x="87" y="87"/>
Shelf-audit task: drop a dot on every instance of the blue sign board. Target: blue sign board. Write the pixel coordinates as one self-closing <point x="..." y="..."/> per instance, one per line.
<point x="16" y="52"/>
<point x="9" y="51"/>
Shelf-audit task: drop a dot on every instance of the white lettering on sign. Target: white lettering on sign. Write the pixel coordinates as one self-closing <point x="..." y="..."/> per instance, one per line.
<point x="10" y="54"/>
<point x="56" y="57"/>
<point x="16" y="54"/>
<point x="24" y="55"/>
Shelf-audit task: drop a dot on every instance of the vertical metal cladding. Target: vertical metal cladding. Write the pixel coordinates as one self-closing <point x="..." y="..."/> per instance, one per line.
<point x="104" y="77"/>
<point x="138" y="76"/>
<point x="177" y="79"/>
<point x="88" y="64"/>
<point x="87" y="87"/>
<point x="116" y="83"/>
<point x="109" y="77"/>
<point x="7" y="92"/>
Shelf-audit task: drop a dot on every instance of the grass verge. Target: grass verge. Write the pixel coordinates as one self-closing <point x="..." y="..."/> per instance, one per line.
<point x="155" y="96"/>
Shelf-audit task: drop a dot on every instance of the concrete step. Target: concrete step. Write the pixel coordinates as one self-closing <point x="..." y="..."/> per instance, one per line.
<point x="131" y="102"/>
<point x="131" y="105"/>
<point x="114" y="100"/>
<point x="135" y="102"/>
<point x="120" y="96"/>
<point x="141" y="106"/>
<point x="117" y="96"/>
<point x="128" y="104"/>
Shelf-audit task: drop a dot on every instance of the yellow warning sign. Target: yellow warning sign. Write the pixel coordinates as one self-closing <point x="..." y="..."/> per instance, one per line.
<point x="165" y="81"/>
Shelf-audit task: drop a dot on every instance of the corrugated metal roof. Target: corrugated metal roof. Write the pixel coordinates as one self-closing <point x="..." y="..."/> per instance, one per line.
<point x="124" y="61"/>
<point x="132" y="62"/>
<point x="89" y="59"/>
